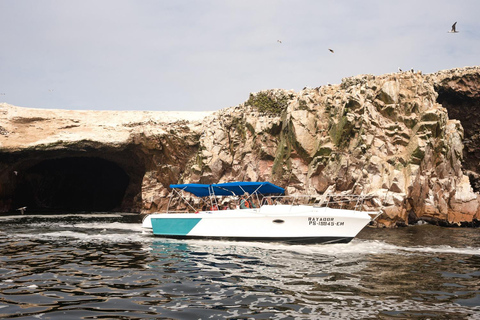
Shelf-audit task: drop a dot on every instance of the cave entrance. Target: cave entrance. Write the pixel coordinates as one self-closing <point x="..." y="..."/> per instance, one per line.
<point x="72" y="184"/>
<point x="462" y="106"/>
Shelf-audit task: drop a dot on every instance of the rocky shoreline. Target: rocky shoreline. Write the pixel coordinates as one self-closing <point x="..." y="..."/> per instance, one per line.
<point x="409" y="138"/>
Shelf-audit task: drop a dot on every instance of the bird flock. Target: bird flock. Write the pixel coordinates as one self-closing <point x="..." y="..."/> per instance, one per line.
<point x="453" y="30"/>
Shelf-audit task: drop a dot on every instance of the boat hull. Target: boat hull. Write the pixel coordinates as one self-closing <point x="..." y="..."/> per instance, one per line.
<point x="275" y="223"/>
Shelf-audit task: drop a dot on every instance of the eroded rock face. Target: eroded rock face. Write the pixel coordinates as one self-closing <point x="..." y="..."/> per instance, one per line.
<point x="97" y="156"/>
<point x="409" y="138"/>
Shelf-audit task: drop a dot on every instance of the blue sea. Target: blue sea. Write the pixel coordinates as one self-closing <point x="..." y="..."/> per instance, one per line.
<point x="105" y="266"/>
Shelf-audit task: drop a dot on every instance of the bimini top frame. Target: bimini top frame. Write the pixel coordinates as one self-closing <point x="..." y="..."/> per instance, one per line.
<point x="229" y="188"/>
<point x="226" y="189"/>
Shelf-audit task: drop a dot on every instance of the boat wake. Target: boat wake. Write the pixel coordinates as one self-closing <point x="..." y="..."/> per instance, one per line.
<point x="58" y="228"/>
<point x="71" y="264"/>
<point x="356" y="247"/>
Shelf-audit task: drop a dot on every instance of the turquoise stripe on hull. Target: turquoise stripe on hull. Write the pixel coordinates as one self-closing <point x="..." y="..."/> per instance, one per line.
<point x="174" y="226"/>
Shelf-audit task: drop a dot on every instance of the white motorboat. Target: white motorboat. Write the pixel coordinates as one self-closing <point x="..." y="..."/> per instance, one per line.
<point x="271" y="216"/>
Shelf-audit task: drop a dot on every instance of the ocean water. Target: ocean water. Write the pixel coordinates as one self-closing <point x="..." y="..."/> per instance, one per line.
<point x="105" y="266"/>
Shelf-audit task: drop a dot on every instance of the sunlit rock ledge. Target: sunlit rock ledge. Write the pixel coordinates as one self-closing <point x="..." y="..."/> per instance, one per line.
<point x="30" y="128"/>
<point x="411" y="139"/>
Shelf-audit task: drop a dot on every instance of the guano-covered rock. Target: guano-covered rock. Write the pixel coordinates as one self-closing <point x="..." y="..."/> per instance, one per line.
<point x="409" y="138"/>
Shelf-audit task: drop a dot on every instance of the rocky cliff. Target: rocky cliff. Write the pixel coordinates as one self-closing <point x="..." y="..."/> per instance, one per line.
<point x="409" y="138"/>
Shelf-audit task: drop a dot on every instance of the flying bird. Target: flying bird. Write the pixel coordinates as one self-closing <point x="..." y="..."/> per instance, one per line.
<point x="279" y="41"/>
<point x="331" y="50"/>
<point x="22" y="209"/>
<point x="454" y="28"/>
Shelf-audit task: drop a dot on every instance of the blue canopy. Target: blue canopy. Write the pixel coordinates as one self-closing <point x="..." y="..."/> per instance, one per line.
<point x="229" y="188"/>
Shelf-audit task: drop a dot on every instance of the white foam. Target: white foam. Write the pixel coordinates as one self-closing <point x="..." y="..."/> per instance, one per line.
<point x="6" y="218"/>
<point x="445" y="249"/>
<point x="111" y="225"/>
<point x="60" y="216"/>
<point x="355" y="247"/>
<point x="105" y="236"/>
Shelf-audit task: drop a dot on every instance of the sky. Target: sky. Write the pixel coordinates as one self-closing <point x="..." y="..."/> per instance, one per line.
<point x="206" y="55"/>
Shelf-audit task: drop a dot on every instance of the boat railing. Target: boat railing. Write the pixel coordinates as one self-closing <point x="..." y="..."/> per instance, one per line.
<point x="337" y="201"/>
<point x="215" y="203"/>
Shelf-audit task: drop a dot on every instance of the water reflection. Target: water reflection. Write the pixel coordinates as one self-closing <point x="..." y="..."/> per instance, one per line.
<point x="359" y="283"/>
<point x="104" y="268"/>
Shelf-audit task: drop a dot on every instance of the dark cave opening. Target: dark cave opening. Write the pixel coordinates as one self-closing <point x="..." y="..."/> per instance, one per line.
<point x="465" y="107"/>
<point x="71" y="184"/>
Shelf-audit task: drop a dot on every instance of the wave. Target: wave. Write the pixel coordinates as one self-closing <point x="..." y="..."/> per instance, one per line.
<point x="102" y="236"/>
<point x="56" y="227"/>
<point x="62" y="216"/>
<point x="354" y="248"/>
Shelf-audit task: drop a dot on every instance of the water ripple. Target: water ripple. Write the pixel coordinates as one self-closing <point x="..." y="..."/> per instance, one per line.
<point x="105" y="267"/>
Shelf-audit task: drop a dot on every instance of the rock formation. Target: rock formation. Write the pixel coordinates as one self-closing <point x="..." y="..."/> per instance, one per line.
<point x="409" y="138"/>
